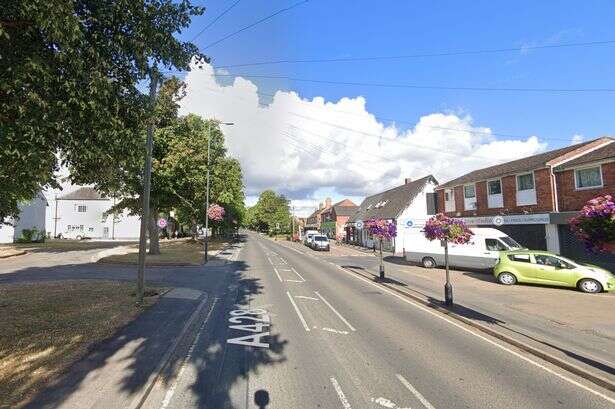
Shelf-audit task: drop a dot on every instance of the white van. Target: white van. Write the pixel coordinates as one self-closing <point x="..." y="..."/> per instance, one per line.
<point x="482" y="252"/>
<point x="309" y="235"/>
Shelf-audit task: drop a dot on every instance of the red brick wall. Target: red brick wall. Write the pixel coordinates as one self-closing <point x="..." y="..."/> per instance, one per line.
<point x="570" y="199"/>
<point x="544" y="197"/>
<point x="440" y="201"/>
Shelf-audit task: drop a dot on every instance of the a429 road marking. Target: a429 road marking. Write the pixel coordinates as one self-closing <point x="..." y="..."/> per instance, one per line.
<point x="256" y="321"/>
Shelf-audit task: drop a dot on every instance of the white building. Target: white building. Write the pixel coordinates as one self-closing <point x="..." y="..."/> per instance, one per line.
<point x="408" y="206"/>
<point x="81" y="214"/>
<point x="31" y="216"/>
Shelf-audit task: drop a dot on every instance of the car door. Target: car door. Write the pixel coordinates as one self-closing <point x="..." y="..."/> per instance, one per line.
<point x="491" y="252"/>
<point x="552" y="270"/>
<point x="524" y="267"/>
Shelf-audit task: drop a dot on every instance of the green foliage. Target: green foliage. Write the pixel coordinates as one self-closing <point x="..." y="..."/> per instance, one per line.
<point x="271" y="214"/>
<point x="32" y="235"/>
<point x="68" y="86"/>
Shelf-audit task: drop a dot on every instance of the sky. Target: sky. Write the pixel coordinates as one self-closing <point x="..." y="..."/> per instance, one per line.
<point x="309" y="140"/>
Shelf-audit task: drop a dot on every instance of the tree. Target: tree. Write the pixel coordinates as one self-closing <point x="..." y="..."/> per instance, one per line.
<point x="271" y="213"/>
<point x="69" y="76"/>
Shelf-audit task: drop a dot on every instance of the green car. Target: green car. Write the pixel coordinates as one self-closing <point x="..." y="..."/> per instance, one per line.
<point x="543" y="267"/>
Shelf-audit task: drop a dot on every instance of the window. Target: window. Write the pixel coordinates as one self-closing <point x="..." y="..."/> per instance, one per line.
<point x="511" y="243"/>
<point x="522" y="258"/>
<point x="551" y="261"/>
<point x="494" y="187"/>
<point x="525" y="182"/>
<point x="447" y="196"/>
<point x="469" y="191"/>
<point x="82" y="208"/>
<point x="91" y="229"/>
<point x="494" y="245"/>
<point x="588" y="177"/>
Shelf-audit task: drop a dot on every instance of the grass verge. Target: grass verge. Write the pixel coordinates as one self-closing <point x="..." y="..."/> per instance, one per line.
<point x="172" y="252"/>
<point x="46" y="327"/>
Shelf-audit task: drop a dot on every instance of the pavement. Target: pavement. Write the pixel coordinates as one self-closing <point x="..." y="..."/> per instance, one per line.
<point x="283" y="327"/>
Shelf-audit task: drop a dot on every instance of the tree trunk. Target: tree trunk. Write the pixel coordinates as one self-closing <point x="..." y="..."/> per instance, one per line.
<point x="154" y="234"/>
<point x="193" y="229"/>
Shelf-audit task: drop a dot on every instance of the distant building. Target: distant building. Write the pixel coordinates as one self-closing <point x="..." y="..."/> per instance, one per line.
<point x="313" y="221"/>
<point x="31" y="216"/>
<point x="81" y="214"/>
<point x="334" y="218"/>
<point x="407" y="206"/>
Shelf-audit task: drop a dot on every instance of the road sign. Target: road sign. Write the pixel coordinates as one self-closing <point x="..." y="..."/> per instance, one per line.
<point x="408" y="224"/>
<point x="162" y="223"/>
<point x="359" y="224"/>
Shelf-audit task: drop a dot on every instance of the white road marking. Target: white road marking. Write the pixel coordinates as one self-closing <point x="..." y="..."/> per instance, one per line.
<point x="296" y="281"/>
<point x="290" y="297"/>
<point x="416" y="393"/>
<point x="298" y="275"/>
<point x="278" y="274"/>
<point x="335" y="311"/>
<point x="306" y="298"/>
<point x="335" y="331"/>
<point x="340" y="393"/>
<point x="502" y="347"/>
<point x="169" y="395"/>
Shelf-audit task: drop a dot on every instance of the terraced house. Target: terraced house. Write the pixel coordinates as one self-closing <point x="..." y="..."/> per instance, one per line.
<point x="334" y="218"/>
<point x="532" y="199"/>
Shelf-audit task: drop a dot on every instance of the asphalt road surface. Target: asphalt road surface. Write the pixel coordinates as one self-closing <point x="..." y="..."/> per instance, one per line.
<point x="294" y="331"/>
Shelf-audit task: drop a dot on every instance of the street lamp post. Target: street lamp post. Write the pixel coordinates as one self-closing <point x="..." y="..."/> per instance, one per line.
<point x="206" y="238"/>
<point x="448" y="287"/>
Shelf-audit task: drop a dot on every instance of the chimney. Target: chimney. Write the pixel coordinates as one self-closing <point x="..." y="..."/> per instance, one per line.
<point x="407" y="180"/>
<point x="328" y="202"/>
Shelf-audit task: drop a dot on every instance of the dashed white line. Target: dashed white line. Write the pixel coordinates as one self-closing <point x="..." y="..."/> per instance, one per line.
<point x="416" y="393"/>
<point x="502" y="347"/>
<point x="306" y="298"/>
<point x="335" y="311"/>
<point x="296" y="281"/>
<point x="340" y="393"/>
<point x="299" y="275"/>
<point x="290" y="297"/>
<point x="335" y="331"/>
<point x="277" y="274"/>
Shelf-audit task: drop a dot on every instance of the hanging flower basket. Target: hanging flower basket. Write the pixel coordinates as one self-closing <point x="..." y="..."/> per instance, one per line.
<point x="595" y="224"/>
<point x="444" y="228"/>
<point x="382" y="229"/>
<point x="215" y="212"/>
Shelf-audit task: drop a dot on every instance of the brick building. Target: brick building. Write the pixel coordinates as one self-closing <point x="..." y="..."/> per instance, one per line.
<point x="532" y="199"/>
<point x="335" y="218"/>
<point x="314" y="220"/>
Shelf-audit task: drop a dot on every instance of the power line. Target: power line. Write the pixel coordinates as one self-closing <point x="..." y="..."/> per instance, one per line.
<point x="416" y="86"/>
<point x="234" y="33"/>
<point x="423" y="55"/>
<point x="215" y="20"/>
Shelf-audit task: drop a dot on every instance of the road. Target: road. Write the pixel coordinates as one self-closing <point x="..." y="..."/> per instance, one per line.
<point x="294" y="331"/>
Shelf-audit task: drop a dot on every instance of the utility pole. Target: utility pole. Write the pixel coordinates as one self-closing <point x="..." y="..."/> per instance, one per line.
<point x="55" y="220"/>
<point x="206" y="238"/>
<point x="292" y="223"/>
<point x="147" y="176"/>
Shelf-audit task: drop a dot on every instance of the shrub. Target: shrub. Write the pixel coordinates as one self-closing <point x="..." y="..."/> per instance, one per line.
<point x="595" y="224"/>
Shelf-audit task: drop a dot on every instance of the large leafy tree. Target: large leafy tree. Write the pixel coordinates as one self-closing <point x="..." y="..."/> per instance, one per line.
<point x="69" y="76"/>
<point x="271" y="213"/>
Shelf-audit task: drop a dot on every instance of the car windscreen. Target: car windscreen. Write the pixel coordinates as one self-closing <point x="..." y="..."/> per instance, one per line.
<point x="320" y="238"/>
<point x="510" y="242"/>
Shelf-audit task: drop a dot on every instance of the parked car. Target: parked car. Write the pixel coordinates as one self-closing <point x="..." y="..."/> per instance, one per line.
<point x="543" y="267"/>
<point x="482" y="252"/>
<point x="309" y="236"/>
<point x="320" y="242"/>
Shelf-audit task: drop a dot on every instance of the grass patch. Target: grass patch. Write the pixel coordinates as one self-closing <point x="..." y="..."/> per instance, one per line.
<point x="172" y="252"/>
<point x="61" y="245"/>
<point x="46" y="327"/>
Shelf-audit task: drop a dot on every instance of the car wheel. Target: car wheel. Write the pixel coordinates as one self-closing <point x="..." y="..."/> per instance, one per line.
<point x="507" y="278"/>
<point x="429" y="262"/>
<point x="588" y="285"/>
<point x="78" y="237"/>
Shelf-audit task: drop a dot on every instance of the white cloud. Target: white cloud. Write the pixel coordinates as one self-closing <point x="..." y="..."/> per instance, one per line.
<point x="577" y="138"/>
<point x="297" y="146"/>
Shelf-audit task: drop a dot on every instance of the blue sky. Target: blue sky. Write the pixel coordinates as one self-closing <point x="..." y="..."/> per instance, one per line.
<point x="344" y="29"/>
<point x="333" y="29"/>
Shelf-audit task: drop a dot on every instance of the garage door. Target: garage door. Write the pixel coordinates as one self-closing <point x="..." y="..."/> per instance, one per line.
<point x="532" y="236"/>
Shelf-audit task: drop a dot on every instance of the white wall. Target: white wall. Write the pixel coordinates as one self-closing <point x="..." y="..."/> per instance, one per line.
<point x="417" y="213"/>
<point x="31" y="215"/>
<point x="95" y="224"/>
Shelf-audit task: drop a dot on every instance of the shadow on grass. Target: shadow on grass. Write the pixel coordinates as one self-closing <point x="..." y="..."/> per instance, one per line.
<point x="133" y="353"/>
